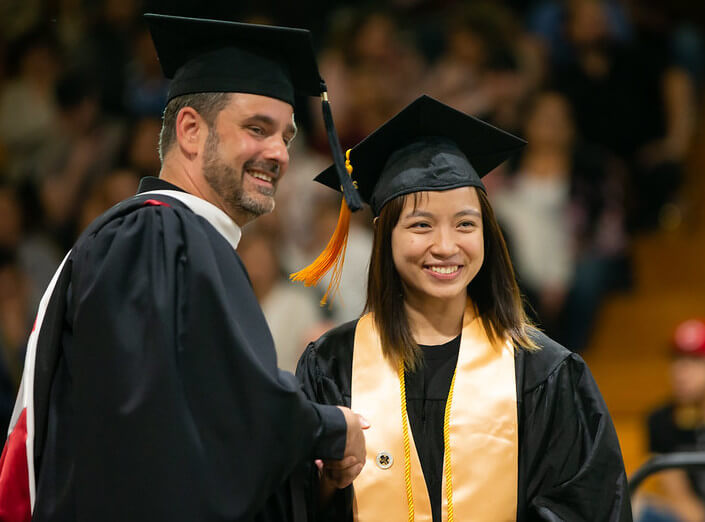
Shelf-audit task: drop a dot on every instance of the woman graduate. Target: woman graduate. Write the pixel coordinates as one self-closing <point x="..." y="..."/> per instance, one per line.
<point x="475" y="415"/>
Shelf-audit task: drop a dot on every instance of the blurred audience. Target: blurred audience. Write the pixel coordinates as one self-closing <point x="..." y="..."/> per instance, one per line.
<point x="563" y="215"/>
<point x="85" y="147"/>
<point x="115" y="186"/>
<point x="141" y="152"/>
<point x="679" y="426"/>
<point x="15" y="324"/>
<point x="28" y="112"/>
<point x="36" y="256"/>
<point x="485" y="69"/>
<point x="146" y="87"/>
<point x="372" y="68"/>
<point x="631" y="97"/>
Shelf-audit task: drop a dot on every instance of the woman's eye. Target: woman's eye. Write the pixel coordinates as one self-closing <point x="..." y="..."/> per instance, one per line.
<point x="420" y="224"/>
<point x="466" y="224"/>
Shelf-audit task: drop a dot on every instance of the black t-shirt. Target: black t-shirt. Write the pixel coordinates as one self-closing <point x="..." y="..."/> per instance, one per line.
<point x="426" y="395"/>
<point x="669" y="434"/>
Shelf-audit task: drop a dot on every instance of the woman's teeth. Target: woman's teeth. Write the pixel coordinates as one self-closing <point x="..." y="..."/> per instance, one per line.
<point x="444" y="269"/>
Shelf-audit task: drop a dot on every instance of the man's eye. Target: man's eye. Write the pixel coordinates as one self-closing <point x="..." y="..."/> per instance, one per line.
<point x="256" y="130"/>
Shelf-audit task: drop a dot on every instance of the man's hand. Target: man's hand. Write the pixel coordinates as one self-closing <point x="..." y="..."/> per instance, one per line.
<point x="355" y="439"/>
<point x="338" y="474"/>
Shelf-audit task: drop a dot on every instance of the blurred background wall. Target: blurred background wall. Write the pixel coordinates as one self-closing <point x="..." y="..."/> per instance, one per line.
<point x="603" y="210"/>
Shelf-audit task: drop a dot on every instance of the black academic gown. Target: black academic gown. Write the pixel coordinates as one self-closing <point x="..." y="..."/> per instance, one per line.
<point x="157" y="394"/>
<point x="570" y="464"/>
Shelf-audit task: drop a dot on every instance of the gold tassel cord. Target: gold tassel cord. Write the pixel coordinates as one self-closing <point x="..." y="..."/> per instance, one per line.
<point x="407" y="449"/>
<point x="446" y="451"/>
<point x="333" y="256"/>
<point x="407" y="446"/>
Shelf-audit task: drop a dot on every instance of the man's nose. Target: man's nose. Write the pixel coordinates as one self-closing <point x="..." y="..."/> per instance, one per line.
<point x="277" y="151"/>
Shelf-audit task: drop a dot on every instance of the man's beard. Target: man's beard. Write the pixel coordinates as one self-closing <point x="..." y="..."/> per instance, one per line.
<point x="227" y="182"/>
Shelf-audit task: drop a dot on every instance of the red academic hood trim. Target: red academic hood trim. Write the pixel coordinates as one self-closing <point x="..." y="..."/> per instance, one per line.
<point x="155" y="203"/>
<point x="15" y="503"/>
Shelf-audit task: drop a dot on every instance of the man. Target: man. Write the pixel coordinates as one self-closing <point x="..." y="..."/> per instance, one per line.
<point x="151" y="390"/>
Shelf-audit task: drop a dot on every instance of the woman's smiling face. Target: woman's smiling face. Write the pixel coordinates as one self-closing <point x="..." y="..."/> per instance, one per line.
<point x="438" y="244"/>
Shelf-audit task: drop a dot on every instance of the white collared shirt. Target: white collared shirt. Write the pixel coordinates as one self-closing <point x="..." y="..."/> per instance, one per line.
<point x="215" y="216"/>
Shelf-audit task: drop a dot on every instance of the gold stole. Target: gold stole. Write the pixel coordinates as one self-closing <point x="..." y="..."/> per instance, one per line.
<point x="483" y="432"/>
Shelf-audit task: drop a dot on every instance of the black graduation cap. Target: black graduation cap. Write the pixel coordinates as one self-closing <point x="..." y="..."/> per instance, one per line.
<point x="427" y="146"/>
<point x="204" y="55"/>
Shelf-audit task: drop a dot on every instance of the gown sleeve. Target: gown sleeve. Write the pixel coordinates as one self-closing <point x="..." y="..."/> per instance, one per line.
<point x="179" y="410"/>
<point x="325" y="371"/>
<point x="570" y="463"/>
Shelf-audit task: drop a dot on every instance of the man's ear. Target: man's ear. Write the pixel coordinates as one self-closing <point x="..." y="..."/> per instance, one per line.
<point x="191" y="131"/>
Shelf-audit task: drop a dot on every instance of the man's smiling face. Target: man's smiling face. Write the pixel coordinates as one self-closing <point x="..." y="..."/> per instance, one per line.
<point x="246" y="154"/>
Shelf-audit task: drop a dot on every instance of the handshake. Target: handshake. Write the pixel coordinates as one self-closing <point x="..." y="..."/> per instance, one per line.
<point x="338" y="474"/>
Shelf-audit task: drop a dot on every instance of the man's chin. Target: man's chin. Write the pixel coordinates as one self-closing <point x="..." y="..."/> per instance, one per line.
<point x="258" y="207"/>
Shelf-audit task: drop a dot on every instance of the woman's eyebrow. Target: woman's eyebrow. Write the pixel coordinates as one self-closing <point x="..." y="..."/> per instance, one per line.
<point x="468" y="211"/>
<point x="419" y="213"/>
<point x="464" y="212"/>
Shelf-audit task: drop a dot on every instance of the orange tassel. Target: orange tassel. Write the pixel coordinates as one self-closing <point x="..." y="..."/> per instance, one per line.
<point x="333" y="256"/>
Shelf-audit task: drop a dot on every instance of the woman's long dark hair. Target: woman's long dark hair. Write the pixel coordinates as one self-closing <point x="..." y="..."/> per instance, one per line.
<point x="493" y="290"/>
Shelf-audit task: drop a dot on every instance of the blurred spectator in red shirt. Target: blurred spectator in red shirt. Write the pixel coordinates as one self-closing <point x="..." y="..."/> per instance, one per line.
<point x="680" y="425"/>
